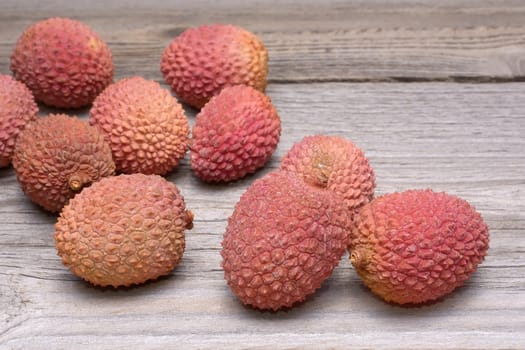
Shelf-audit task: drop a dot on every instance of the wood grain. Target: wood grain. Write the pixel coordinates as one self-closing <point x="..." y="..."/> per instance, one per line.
<point x="466" y="139"/>
<point x="310" y="41"/>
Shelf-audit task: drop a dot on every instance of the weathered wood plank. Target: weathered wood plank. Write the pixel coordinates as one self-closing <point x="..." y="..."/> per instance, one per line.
<point x="466" y="139"/>
<point x="310" y="40"/>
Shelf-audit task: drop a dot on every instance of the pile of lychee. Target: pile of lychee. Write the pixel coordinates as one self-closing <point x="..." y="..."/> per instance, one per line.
<point x="122" y="223"/>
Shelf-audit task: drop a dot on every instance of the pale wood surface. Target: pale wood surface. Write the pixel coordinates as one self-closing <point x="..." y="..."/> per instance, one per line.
<point x="466" y="139"/>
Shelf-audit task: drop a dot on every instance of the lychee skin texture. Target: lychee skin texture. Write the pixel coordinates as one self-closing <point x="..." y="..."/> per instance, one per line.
<point x="417" y="246"/>
<point x="17" y="108"/>
<point x="282" y="241"/>
<point x="333" y="163"/>
<point x="63" y="62"/>
<point x="234" y="134"/>
<point x="202" y="61"/>
<point x="56" y="156"/>
<point x="144" y="124"/>
<point x="123" y="230"/>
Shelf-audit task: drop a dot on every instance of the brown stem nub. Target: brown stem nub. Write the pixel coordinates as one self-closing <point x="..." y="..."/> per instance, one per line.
<point x="77" y="182"/>
<point x="189" y="219"/>
<point x="357" y="258"/>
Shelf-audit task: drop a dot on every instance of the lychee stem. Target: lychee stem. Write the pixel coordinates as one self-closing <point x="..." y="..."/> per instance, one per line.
<point x="78" y="181"/>
<point x="357" y="258"/>
<point x="189" y="219"/>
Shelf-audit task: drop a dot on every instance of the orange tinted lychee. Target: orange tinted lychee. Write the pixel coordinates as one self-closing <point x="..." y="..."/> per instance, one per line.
<point x="123" y="230"/>
<point x="202" y="61"/>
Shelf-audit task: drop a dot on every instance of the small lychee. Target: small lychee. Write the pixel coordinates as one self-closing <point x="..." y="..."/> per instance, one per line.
<point x="63" y="62"/>
<point x="333" y="163"/>
<point x="17" y="108"/>
<point x="56" y="156"/>
<point x="417" y="246"/>
<point x="144" y="125"/>
<point x="282" y="241"/>
<point x="123" y="230"/>
<point x="202" y="61"/>
<point x="234" y="134"/>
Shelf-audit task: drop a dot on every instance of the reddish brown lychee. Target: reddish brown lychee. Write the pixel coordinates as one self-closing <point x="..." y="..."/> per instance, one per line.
<point x="123" y="230"/>
<point x="333" y="163"/>
<point x="63" y="62"/>
<point x="282" y="241"/>
<point x="418" y="245"/>
<point x="56" y="156"/>
<point x="234" y="134"/>
<point x="17" y="108"/>
<point x="202" y="61"/>
<point x="145" y="126"/>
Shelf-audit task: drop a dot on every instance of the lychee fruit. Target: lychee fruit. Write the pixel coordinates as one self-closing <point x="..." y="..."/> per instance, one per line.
<point x="202" y="61"/>
<point x="56" y="156"/>
<point x="63" y="62"/>
<point x="123" y="230"/>
<point x="17" y="108"/>
<point x="144" y="124"/>
<point x="282" y="241"/>
<point x="417" y="246"/>
<point x="333" y="163"/>
<point x="234" y="134"/>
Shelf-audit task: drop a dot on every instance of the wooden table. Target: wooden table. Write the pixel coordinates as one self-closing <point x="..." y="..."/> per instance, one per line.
<point x="432" y="91"/>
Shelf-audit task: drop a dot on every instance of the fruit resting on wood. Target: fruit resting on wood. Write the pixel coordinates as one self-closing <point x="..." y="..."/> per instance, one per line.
<point x="63" y="62"/>
<point x="17" y="108"/>
<point x="333" y="163"/>
<point x="202" y="61"/>
<point x="145" y="126"/>
<point x="56" y="156"/>
<point x="234" y="134"/>
<point x="417" y="246"/>
<point x="282" y="241"/>
<point x="123" y="230"/>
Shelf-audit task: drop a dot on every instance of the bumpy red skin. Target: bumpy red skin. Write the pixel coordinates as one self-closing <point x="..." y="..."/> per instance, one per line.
<point x="123" y="230"/>
<point x="56" y="153"/>
<point x="144" y="124"/>
<point x="333" y="163"/>
<point x="63" y="62"/>
<point x="417" y="246"/>
<point x="282" y="241"/>
<point x="17" y="108"/>
<point x="234" y="134"/>
<point x="202" y="61"/>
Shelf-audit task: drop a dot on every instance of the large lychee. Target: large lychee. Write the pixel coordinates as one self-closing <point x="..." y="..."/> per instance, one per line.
<point x="234" y="134"/>
<point x="17" y="108"/>
<point x="123" y="230"/>
<point x="282" y="241"/>
<point x="63" y="62"/>
<point x="201" y="61"/>
<point x="144" y="124"/>
<point x="418" y="245"/>
<point x="56" y="156"/>
<point x="333" y="163"/>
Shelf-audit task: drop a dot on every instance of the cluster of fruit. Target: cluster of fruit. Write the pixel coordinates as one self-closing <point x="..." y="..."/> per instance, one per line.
<point x="288" y="231"/>
<point x="408" y="248"/>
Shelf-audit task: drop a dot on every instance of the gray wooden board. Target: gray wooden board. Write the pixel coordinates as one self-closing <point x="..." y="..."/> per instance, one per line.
<point x="334" y="40"/>
<point x="466" y="139"/>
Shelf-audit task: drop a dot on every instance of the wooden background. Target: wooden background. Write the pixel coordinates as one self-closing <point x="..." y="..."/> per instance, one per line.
<point x="432" y="91"/>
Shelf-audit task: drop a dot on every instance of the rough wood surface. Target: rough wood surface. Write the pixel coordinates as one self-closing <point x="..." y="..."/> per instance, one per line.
<point x="461" y="138"/>
<point x="466" y="139"/>
<point x="310" y="40"/>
